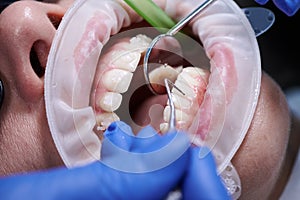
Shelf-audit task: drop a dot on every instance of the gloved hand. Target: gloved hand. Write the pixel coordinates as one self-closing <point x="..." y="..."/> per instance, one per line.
<point x="131" y="168"/>
<point x="289" y="7"/>
<point x="138" y="175"/>
<point x="201" y="180"/>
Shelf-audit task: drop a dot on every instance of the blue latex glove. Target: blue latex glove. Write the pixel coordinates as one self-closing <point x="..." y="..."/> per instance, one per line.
<point x="201" y="180"/>
<point x="144" y="172"/>
<point x="289" y="7"/>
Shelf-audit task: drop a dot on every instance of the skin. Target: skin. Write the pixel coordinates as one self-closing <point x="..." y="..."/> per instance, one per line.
<point x="263" y="161"/>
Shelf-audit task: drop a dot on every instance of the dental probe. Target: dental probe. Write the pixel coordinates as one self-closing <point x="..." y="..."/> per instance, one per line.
<point x="261" y="19"/>
<point x="172" y="120"/>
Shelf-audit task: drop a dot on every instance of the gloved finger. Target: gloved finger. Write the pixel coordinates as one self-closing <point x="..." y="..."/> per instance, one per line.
<point x="289" y="7"/>
<point x="149" y="164"/>
<point x="153" y="141"/>
<point x="202" y="181"/>
<point x="94" y="181"/>
<point x="122" y="150"/>
<point x="147" y="140"/>
<point x="120" y="134"/>
<point x="53" y="184"/>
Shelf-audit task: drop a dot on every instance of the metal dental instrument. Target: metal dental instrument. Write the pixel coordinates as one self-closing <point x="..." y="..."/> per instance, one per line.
<point x="170" y="33"/>
<point x="175" y="29"/>
<point x="261" y="20"/>
<point x="172" y="120"/>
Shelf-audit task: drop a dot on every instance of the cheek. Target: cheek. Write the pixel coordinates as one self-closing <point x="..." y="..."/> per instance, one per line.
<point x="26" y="143"/>
<point x="261" y="155"/>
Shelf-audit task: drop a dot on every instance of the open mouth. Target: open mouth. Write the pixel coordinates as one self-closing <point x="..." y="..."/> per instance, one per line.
<point x="120" y="76"/>
<point x="93" y="77"/>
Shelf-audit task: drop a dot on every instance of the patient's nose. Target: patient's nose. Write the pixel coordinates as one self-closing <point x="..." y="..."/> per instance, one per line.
<point x="27" y="29"/>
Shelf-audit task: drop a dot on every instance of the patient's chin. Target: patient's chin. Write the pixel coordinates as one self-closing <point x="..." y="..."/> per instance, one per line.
<point x="260" y="157"/>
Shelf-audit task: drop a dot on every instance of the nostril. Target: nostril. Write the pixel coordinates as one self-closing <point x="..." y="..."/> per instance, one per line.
<point x="38" y="57"/>
<point x="55" y="19"/>
<point x="35" y="63"/>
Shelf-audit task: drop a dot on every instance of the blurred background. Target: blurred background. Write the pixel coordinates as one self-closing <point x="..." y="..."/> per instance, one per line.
<point x="280" y="55"/>
<point x="280" y="46"/>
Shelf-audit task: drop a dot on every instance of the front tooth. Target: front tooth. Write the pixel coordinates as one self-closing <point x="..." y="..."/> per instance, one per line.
<point x="127" y="60"/>
<point x="110" y="101"/>
<point x="139" y="43"/>
<point x="117" y="80"/>
<point x="179" y="115"/>
<point x="105" y="119"/>
<point x="159" y="74"/>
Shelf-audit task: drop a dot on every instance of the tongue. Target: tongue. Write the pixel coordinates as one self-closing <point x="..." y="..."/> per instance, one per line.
<point x="148" y="111"/>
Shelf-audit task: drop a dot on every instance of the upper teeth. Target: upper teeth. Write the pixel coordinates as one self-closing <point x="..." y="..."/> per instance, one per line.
<point x="126" y="60"/>
<point x="110" y="101"/>
<point x="117" y="67"/>
<point x="117" y="80"/>
<point x="122" y="62"/>
<point x="158" y="75"/>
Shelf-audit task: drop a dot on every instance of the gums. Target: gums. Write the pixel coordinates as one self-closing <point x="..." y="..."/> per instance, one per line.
<point x="230" y="97"/>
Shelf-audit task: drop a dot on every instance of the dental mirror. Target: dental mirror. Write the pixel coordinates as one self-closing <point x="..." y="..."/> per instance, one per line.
<point x="261" y="19"/>
<point x="175" y="29"/>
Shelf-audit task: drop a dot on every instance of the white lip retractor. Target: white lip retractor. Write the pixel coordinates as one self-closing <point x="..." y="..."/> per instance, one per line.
<point x="230" y="98"/>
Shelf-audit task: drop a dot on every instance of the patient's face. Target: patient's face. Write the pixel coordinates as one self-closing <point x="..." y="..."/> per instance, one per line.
<point x="26" y="32"/>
